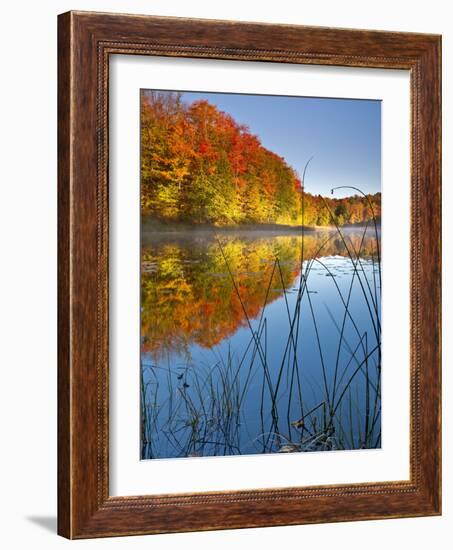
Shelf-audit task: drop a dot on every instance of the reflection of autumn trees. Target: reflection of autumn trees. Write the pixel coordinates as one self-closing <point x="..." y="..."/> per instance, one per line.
<point x="200" y="166"/>
<point x="188" y="296"/>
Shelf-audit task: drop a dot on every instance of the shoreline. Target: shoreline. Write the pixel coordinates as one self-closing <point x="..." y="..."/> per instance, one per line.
<point x="155" y="227"/>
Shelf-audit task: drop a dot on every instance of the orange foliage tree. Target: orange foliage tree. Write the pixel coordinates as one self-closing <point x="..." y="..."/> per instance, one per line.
<point x="199" y="166"/>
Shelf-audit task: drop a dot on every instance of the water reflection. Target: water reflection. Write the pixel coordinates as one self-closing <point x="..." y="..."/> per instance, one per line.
<point x="189" y="296"/>
<point x="255" y="342"/>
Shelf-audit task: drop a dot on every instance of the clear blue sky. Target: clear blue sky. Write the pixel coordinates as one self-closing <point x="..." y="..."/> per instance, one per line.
<point x="342" y="135"/>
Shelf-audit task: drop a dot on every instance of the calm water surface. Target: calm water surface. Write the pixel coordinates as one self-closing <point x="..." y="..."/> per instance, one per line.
<point x="258" y="342"/>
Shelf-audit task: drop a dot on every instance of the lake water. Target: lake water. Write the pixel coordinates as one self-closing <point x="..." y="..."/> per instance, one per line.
<point x="259" y="342"/>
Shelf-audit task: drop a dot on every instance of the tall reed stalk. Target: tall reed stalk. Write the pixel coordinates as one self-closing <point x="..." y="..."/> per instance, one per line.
<point x="199" y="410"/>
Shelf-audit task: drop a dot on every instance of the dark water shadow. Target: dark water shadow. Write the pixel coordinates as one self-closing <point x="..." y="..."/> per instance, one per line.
<point x="49" y="523"/>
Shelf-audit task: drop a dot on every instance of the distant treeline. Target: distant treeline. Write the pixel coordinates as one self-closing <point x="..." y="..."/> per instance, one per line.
<point x="198" y="165"/>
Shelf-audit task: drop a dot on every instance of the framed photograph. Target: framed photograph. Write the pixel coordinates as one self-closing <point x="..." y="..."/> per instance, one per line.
<point x="249" y="275"/>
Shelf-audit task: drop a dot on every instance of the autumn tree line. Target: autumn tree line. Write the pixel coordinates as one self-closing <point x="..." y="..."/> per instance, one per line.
<point x="199" y="166"/>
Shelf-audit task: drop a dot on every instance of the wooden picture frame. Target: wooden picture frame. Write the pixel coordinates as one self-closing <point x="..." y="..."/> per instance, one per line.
<point x="85" y="42"/>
